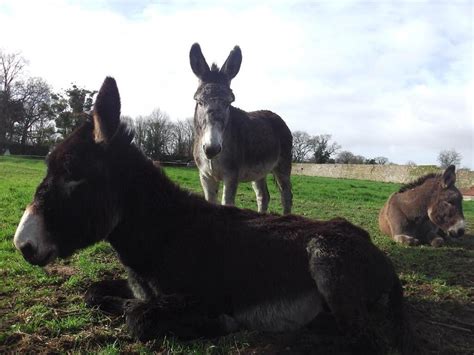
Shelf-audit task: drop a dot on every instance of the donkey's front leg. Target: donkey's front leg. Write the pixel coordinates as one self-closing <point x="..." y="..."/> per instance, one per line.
<point x="230" y="189"/>
<point x="435" y="239"/>
<point x="398" y="228"/>
<point x="108" y="295"/>
<point x="173" y="315"/>
<point x="263" y="196"/>
<point x="210" y="187"/>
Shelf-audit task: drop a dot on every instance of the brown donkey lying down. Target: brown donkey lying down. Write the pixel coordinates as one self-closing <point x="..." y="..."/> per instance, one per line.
<point x="196" y="268"/>
<point x="419" y="210"/>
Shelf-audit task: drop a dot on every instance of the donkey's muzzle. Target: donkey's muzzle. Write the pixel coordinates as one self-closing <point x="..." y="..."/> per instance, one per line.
<point x="211" y="151"/>
<point x="455" y="234"/>
<point x="28" y="251"/>
<point x="32" y="240"/>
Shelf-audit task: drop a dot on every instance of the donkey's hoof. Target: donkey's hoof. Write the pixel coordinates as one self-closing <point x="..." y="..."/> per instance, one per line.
<point x="437" y="242"/>
<point x="406" y="239"/>
<point x="413" y="242"/>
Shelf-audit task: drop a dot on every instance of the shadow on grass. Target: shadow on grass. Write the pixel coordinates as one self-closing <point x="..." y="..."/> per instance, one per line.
<point x="444" y="327"/>
<point x="451" y="265"/>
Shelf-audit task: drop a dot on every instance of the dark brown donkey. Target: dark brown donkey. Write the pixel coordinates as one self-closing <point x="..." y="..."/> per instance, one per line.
<point x="196" y="268"/>
<point x="232" y="145"/>
<point x="419" y="210"/>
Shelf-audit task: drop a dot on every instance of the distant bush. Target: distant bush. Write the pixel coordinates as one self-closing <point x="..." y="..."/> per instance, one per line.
<point x="18" y="149"/>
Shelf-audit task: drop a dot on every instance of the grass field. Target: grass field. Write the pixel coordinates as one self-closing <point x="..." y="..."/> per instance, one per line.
<point x="41" y="309"/>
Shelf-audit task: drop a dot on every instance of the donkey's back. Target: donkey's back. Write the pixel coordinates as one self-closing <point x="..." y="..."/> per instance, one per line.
<point x="263" y="144"/>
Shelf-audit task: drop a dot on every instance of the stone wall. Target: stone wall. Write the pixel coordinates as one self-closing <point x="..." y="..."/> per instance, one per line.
<point x="386" y="173"/>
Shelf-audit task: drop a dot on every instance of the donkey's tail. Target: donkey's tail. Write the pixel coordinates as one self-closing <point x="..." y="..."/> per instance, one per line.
<point x="403" y="333"/>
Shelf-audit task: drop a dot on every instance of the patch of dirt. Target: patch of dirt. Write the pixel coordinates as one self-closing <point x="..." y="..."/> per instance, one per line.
<point x="60" y="270"/>
<point x="448" y="329"/>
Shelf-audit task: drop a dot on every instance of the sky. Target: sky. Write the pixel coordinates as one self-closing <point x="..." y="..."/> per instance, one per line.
<point x="384" y="78"/>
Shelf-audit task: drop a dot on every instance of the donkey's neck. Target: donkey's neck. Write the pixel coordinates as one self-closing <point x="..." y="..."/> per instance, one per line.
<point x="151" y="209"/>
<point x="419" y="198"/>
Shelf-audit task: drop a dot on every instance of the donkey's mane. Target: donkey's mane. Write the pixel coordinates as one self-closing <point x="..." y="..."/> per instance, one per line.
<point x="418" y="182"/>
<point x="215" y="76"/>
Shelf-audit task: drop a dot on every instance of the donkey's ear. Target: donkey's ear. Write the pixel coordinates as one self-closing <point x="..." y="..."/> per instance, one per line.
<point x="449" y="176"/>
<point x="106" y="111"/>
<point x="232" y="64"/>
<point x="198" y="62"/>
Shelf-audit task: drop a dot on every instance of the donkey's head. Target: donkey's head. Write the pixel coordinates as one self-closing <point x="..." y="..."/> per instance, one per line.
<point x="213" y="97"/>
<point x="76" y="204"/>
<point x="445" y="209"/>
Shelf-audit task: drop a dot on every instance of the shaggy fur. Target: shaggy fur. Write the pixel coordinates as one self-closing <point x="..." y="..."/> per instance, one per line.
<point x="199" y="269"/>
<point x="418" y="182"/>
<point x="421" y="209"/>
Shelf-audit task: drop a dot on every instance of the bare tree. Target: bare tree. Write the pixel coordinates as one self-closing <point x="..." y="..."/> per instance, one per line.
<point x="301" y="146"/>
<point x="321" y="149"/>
<point x="449" y="157"/>
<point x="35" y="97"/>
<point x="410" y="163"/>
<point x="358" y="159"/>
<point x="317" y="149"/>
<point x="183" y="137"/>
<point x="11" y="70"/>
<point x="381" y="160"/>
<point x="346" y="157"/>
<point x="139" y="127"/>
<point x="158" y="135"/>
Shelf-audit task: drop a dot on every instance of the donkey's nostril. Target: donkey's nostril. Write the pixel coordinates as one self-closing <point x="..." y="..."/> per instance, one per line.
<point x="211" y="151"/>
<point x="461" y="232"/>
<point x="27" y="250"/>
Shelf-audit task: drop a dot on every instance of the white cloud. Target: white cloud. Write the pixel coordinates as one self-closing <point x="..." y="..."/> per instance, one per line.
<point x="383" y="78"/>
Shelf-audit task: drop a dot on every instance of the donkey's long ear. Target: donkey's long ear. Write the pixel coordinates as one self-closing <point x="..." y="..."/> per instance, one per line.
<point x="198" y="62"/>
<point x="106" y="111"/>
<point x="449" y="176"/>
<point x="231" y="66"/>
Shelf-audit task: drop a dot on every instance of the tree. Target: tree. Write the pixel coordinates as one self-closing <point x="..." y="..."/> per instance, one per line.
<point x="376" y="161"/>
<point x="449" y="157"/>
<point x="358" y="159"/>
<point x="381" y="160"/>
<point x="35" y="97"/>
<point x="321" y="149"/>
<point x="183" y="138"/>
<point x="316" y="149"/>
<point x="11" y="71"/>
<point x="158" y="135"/>
<point x="301" y="146"/>
<point x="69" y="108"/>
<point x="346" y="157"/>
<point x="11" y="111"/>
<point x="139" y="128"/>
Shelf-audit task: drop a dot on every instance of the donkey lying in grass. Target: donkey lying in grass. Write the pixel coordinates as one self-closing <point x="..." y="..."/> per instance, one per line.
<point x="416" y="213"/>
<point x="232" y="145"/>
<point x="196" y="268"/>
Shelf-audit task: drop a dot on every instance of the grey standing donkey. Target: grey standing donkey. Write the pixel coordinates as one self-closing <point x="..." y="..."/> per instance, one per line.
<point x="232" y="145"/>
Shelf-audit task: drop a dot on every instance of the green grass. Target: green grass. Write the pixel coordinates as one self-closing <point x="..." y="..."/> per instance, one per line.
<point x="41" y="309"/>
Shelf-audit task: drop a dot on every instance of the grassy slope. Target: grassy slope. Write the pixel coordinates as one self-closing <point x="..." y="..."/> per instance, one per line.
<point x="42" y="309"/>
